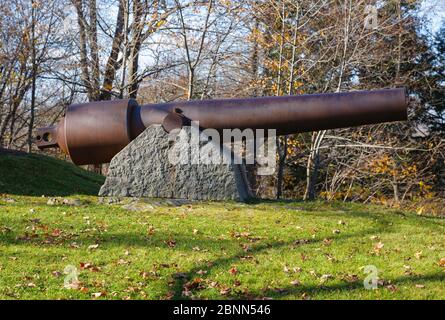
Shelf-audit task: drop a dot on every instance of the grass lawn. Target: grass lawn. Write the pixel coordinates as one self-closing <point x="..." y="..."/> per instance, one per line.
<point x="217" y="250"/>
<point x="160" y="250"/>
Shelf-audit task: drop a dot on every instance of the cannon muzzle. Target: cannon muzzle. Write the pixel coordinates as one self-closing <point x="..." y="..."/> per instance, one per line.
<point x="92" y="133"/>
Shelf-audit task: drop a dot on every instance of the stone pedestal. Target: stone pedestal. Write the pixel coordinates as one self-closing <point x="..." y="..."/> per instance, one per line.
<point x="143" y="169"/>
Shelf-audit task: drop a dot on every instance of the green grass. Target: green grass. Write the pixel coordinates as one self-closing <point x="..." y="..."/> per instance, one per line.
<point x="38" y="175"/>
<point x="208" y="250"/>
<point x="163" y="252"/>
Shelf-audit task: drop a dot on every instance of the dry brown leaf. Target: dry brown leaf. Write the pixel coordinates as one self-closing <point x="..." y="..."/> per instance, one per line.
<point x="233" y="271"/>
<point x="99" y="294"/>
<point x="225" y="291"/>
<point x="84" y="289"/>
<point x="171" y="243"/>
<point x="56" y="233"/>
<point x="93" y="246"/>
<point x="56" y="274"/>
<point x="295" y="283"/>
<point x="151" y="230"/>
<point x="378" y="247"/>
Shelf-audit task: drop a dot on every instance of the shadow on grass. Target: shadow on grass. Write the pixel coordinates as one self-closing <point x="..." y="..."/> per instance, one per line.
<point x="288" y="291"/>
<point x="226" y="262"/>
<point x="37" y="175"/>
<point x="381" y="224"/>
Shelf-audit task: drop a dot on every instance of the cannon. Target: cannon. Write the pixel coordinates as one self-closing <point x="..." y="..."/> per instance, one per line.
<point x="94" y="132"/>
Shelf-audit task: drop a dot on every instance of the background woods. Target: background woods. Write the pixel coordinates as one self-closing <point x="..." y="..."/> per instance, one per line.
<point x="54" y="53"/>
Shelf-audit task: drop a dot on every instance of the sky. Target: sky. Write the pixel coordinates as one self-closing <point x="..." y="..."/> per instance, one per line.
<point x="434" y="10"/>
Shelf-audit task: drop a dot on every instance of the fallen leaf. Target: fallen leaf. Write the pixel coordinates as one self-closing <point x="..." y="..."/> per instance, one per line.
<point x="73" y="285"/>
<point x="99" y="294"/>
<point x="326" y="277"/>
<point x="93" y="246"/>
<point x="233" y="271"/>
<point x="56" y="274"/>
<point x="420" y="286"/>
<point x="327" y="242"/>
<point x="295" y="283"/>
<point x="151" y="230"/>
<point x="89" y="266"/>
<point x="391" y="288"/>
<point x="418" y="254"/>
<point x="56" y="233"/>
<point x="442" y="262"/>
<point x="378" y="247"/>
<point x="171" y="243"/>
<point x="336" y="231"/>
<point x="170" y="295"/>
<point x="84" y="265"/>
<point x="195" y="284"/>
<point x="123" y="262"/>
<point x="74" y="245"/>
<point x="225" y="291"/>
<point x="305" y="296"/>
<point x="351" y="278"/>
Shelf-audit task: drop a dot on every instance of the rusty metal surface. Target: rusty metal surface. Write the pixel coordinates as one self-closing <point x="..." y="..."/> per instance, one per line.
<point x="294" y="114"/>
<point x="94" y="132"/>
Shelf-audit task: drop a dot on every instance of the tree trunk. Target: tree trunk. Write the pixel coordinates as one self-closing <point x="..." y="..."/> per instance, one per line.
<point x="112" y="63"/>
<point x="34" y="74"/>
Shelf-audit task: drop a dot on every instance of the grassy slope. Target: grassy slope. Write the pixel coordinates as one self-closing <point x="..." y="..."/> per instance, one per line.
<point x="217" y="250"/>
<point x="40" y="175"/>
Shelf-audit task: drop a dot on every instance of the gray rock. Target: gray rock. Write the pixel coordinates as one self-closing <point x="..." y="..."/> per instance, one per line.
<point x="73" y="202"/>
<point x="65" y="201"/>
<point x="138" y="206"/>
<point x="143" y="169"/>
<point x="109" y="200"/>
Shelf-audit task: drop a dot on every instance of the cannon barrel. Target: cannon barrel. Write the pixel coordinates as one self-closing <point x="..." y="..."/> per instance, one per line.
<point x="92" y="133"/>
